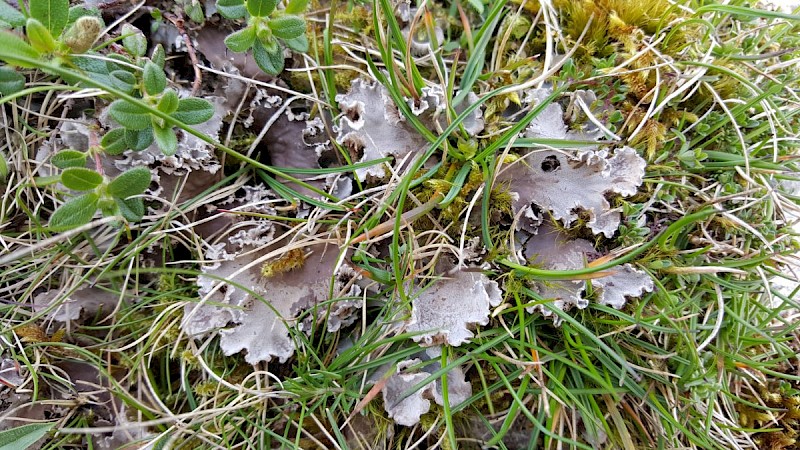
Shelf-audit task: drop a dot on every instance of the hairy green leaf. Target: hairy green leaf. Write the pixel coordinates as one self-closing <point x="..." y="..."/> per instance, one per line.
<point x="128" y="115"/>
<point x="46" y="181"/>
<point x="76" y="12"/>
<point x="288" y="27"/>
<point x="82" y="34"/>
<point x="154" y="79"/>
<point x="166" y="139"/>
<point x="168" y="103"/>
<point x="242" y="40"/>
<point x="296" y="6"/>
<point x="298" y="44"/>
<point x="113" y="61"/>
<point x="53" y="14"/>
<point x="113" y="141"/>
<point x="96" y="69"/>
<point x="75" y="212"/>
<point x="69" y="158"/>
<point x="159" y="56"/>
<point x="132" y="182"/>
<point x="12" y="47"/>
<point x="261" y="8"/>
<point x="134" y="41"/>
<point x="266" y="39"/>
<point x="193" y="111"/>
<point x="231" y="9"/>
<point x="24" y="436"/>
<point x="138" y="140"/>
<point x="109" y="207"/>
<point x="10" y="81"/>
<point x="157" y="16"/>
<point x="10" y="15"/>
<point x="39" y="36"/>
<point x="132" y="209"/>
<point x="123" y="80"/>
<point x="195" y="12"/>
<point x="270" y="62"/>
<point x="80" y="178"/>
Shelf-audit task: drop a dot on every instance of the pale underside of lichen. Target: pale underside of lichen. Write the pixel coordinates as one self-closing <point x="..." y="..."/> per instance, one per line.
<point x="371" y="125"/>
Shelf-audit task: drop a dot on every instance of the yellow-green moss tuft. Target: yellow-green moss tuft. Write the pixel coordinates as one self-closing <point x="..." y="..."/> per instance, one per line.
<point x="293" y="259"/>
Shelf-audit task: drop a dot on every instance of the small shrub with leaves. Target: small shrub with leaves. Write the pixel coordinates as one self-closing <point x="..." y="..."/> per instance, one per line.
<point x="193" y="10"/>
<point x="140" y="126"/>
<point x="140" y="77"/>
<point x="54" y="30"/>
<point x="268" y="30"/>
<point x="111" y="197"/>
<point x="57" y="39"/>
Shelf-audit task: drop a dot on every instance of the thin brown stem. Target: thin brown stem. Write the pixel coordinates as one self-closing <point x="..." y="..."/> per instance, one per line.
<point x="198" y="75"/>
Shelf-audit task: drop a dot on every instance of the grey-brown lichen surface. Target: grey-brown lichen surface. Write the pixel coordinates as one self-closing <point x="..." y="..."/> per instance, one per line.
<point x="407" y="411"/>
<point x="254" y="313"/>
<point x="445" y="312"/>
<point x="372" y="126"/>
<point x="257" y="313"/>
<point x="561" y="183"/>
<point x="564" y="183"/>
<point x="251" y="311"/>
<point x="553" y="250"/>
<point x="87" y="301"/>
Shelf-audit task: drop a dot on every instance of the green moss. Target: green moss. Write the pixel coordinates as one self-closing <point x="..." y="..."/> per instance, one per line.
<point x="608" y="20"/>
<point x="291" y="260"/>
